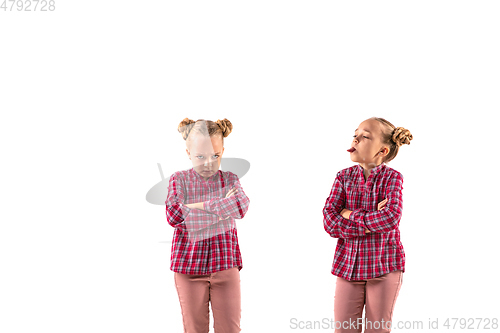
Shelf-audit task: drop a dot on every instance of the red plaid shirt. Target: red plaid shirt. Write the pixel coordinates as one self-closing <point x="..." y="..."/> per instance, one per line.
<point x="204" y="241"/>
<point x="361" y="256"/>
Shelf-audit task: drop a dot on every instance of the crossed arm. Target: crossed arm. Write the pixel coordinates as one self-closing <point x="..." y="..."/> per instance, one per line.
<point x="200" y="215"/>
<point x="346" y="213"/>
<point x="340" y="222"/>
<point x="201" y="204"/>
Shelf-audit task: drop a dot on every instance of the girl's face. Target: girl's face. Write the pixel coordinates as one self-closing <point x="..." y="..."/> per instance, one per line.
<point x="205" y="153"/>
<point x="367" y="141"/>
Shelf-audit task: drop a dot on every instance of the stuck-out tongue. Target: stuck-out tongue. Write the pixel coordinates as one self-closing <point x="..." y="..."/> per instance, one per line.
<point x="351" y="149"/>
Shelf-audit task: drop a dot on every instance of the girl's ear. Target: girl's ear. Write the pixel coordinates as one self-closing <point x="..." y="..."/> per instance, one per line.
<point x="189" y="155"/>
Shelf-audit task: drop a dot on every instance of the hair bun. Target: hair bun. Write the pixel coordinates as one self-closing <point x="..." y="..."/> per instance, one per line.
<point x="225" y="125"/>
<point x="401" y="136"/>
<point x="185" y="127"/>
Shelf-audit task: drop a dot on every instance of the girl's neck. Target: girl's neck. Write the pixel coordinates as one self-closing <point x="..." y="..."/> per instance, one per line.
<point x="367" y="169"/>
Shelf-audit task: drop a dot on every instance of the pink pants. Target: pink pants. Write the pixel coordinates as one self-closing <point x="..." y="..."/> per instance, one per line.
<point x="378" y="295"/>
<point x="222" y="289"/>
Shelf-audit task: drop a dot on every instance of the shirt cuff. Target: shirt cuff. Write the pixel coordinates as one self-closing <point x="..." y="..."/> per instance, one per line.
<point x="185" y="211"/>
<point x="358" y="216"/>
<point x="206" y="206"/>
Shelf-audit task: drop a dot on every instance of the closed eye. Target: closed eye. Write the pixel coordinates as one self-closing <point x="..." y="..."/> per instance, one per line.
<point x="201" y="156"/>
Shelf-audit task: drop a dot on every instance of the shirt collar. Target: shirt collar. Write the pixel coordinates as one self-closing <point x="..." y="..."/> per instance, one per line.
<point x="212" y="178"/>
<point x="373" y="171"/>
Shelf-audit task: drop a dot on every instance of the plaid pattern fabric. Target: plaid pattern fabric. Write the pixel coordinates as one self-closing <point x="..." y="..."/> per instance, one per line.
<point x="360" y="256"/>
<point x="204" y="242"/>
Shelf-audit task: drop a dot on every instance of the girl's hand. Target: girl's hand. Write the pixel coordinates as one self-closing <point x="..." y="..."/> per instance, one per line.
<point x="196" y="205"/>
<point x="231" y="192"/>
<point x="345" y="213"/>
<point x="381" y="204"/>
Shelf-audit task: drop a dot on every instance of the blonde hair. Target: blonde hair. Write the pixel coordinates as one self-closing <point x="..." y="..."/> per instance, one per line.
<point x="188" y="128"/>
<point x="394" y="137"/>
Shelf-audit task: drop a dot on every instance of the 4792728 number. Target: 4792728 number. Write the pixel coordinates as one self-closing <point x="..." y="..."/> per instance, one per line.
<point x="28" y="5"/>
<point x="471" y="323"/>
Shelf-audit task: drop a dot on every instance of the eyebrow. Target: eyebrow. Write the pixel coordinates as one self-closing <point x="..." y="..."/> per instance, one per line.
<point x="362" y="130"/>
<point x="217" y="152"/>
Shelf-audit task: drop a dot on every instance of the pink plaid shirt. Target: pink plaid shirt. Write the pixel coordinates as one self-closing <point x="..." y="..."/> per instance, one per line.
<point x="361" y="256"/>
<point x="204" y="241"/>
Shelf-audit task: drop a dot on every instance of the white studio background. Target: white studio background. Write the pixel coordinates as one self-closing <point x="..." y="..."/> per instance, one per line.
<point x="91" y="97"/>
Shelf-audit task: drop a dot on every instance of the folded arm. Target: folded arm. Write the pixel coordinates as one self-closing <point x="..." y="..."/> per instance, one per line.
<point x="336" y="225"/>
<point x="179" y="215"/>
<point x="386" y="219"/>
<point x="235" y="206"/>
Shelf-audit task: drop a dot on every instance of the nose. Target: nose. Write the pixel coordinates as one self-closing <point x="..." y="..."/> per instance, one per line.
<point x="208" y="163"/>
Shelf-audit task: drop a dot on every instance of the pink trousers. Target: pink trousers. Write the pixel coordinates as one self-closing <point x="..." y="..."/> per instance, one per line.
<point x="378" y="295"/>
<point x="221" y="289"/>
